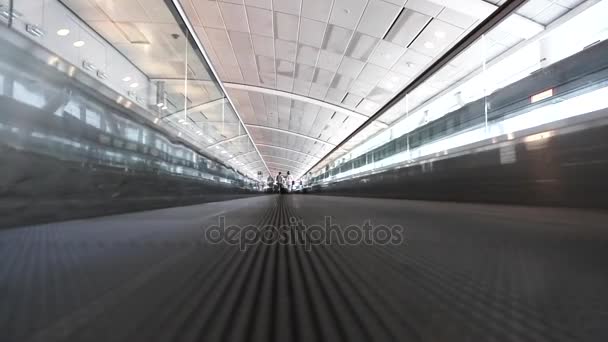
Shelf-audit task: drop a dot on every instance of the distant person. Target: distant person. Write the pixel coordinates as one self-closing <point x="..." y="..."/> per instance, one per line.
<point x="280" y="181"/>
<point x="290" y="181"/>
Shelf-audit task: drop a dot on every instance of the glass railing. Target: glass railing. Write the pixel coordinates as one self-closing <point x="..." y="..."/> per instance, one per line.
<point x="72" y="94"/>
<point x="509" y="80"/>
<point x="149" y="61"/>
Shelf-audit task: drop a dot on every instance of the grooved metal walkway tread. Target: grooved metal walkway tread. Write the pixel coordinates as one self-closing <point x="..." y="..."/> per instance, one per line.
<point x="464" y="273"/>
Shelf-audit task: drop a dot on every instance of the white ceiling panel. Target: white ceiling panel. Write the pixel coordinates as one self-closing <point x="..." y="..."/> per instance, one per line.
<point x="323" y="77"/>
<point x="263" y="46"/>
<point x="371" y="24"/>
<point x="285" y="50"/>
<point x="407" y="27"/>
<point x="234" y="16"/>
<point x="361" y="46"/>
<point x="307" y="55"/>
<point x="350" y="67"/>
<point x="386" y="54"/>
<point x="311" y="32"/>
<point x="260" y="21"/>
<point x="372" y="74"/>
<point x="329" y="60"/>
<point x="266" y="4"/>
<point x="286" y="26"/>
<point x="336" y="39"/>
<point x="424" y="6"/>
<point x="287" y="6"/>
<point x="346" y="13"/>
<point x="316" y="9"/>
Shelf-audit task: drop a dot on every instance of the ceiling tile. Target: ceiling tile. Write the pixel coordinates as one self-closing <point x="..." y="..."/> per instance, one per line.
<point x="260" y="21"/>
<point x="411" y="63"/>
<point x="285" y="68"/>
<point x="336" y="39"/>
<point x="379" y="95"/>
<point x="436" y="37"/>
<point x="263" y="45"/>
<point x="456" y="18"/>
<point x="361" y="88"/>
<point x="307" y="55"/>
<point x="257" y="3"/>
<point x="350" y="67"/>
<point x="341" y="82"/>
<point x="234" y="17"/>
<point x="311" y="32"/>
<point x="361" y="46"/>
<point x="286" y="26"/>
<point x="425" y="7"/>
<point x="351" y="100"/>
<point x="407" y="27"/>
<point x="287" y="6"/>
<point x="285" y="50"/>
<point x="346" y="13"/>
<point x="323" y="77"/>
<point x="329" y="60"/>
<point x="335" y="95"/>
<point x="304" y="72"/>
<point x="318" y="91"/>
<point x="394" y="81"/>
<point x="265" y="64"/>
<point x="209" y="13"/>
<point x="386" y="54"/>
<point x="372" y="74"/>
<point x="377" y="18"/>
<point x="368" y="107"/>
<point x="316" y="9"/>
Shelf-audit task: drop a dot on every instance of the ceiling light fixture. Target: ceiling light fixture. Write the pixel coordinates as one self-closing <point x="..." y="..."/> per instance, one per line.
<point x="63" y="32"/>
<point x="78" y="43"/>
<point x="134" y="85"/>
<point x="126" y="79"/>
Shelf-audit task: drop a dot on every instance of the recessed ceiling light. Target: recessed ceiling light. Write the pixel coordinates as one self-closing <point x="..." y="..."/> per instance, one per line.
<point x="429" y="45"/>
<point x="224" y="152"/>
<point x="346" y="10"/>
<point x="134" y="85"/>
<point x="126" y="79"/>
<point x="78" y="43"/>
<point x="210" y="141"/>
<point x="63" y="32"/>
<point x="440" y="34"/>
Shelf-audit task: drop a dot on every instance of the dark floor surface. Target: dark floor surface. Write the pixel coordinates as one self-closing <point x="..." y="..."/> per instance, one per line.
<point x="465" y="272"/>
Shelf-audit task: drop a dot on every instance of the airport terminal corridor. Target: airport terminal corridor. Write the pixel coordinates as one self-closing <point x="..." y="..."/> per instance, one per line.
<point x="477" y="272"/>
<point x="303" y="170"/>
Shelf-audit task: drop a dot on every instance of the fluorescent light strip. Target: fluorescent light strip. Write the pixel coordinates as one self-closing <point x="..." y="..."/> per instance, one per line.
<point x="184" y="18"/>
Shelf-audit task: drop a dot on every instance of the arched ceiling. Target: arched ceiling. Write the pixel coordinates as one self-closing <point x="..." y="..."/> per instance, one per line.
<point x="302" y="74"/>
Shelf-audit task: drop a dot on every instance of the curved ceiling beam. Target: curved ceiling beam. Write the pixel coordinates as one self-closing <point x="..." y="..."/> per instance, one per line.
<point x="286" y="165"/>
<point x="228" y="140"/>
<point x="288" y="150"/>
<point x="286" y="159"/>
<point x="306" y="99"/>
<point x="291" y="133"/>
<point x="241" y="155"/>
